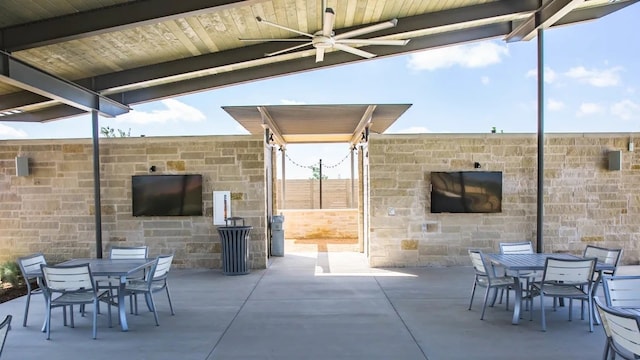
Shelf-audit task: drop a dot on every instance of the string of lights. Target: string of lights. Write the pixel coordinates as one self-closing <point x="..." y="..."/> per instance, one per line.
<point x="315" y="165"/>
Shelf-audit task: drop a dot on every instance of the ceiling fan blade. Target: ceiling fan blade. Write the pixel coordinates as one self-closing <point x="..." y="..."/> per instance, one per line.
<point x="287" y="49"/>
<point x="261" y="20"/>
<point x="369" y="29"/>
<point x="372" y="42"/>
<point x="292" y="40"/>
<point x="328" y="21"/>
<point x="353" y="50"/>
<point x="319" y="54"/>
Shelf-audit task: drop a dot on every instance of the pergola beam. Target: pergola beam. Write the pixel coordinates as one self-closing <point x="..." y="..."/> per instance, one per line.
<point x="365" y="120"/>
<point x="104" y="20"/>
<point x="544" y="18"/>
<point x="27" y="77"/>
<point x="268" y="121"/>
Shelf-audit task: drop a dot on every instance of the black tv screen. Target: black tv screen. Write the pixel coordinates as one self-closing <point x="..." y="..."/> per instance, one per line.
<point x="466" y="192"/>
<point x="166" y="195"/>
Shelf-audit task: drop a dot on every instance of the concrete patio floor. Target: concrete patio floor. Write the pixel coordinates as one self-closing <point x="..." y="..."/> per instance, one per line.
<point x="311" y="306"/>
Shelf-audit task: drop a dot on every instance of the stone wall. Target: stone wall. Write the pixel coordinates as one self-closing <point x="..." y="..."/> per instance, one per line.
<point x="52" y="209"/>
<point x="305" y="194"/>
<point x="584" y="202"/>
<point x="321" y="224"/>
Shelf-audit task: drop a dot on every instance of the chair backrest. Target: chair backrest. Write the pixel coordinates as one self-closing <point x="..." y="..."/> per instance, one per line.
<point x="484" y="271"/>
<point x="31" y="264"/>
<point x="604" y="255"/>
<point x="524" y="247"/>
<point x="68" y="278"/>
<point x="477" y="260"/>
<point x="5" y="326"/>
<point x="569" y="271"/>
<point x="163" y="266"/>
<point x="622" y="328"/>
<point x="128" y="252"/>
<point x="622" y="291"/>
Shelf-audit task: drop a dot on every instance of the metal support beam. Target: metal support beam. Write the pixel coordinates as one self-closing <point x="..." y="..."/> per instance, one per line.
<point x="365" y="120"/>
<point x="551" y="13"/>
<point x="96" y="182"/>
<point x="283" y="152"/>
<point x="27" y="77"/>
<point x="49" y="113"/>
<point x="267" y="121"/>
<point x="540" y="202"/>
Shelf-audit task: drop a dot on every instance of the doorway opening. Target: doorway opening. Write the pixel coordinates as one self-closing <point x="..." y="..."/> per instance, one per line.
<point x="317" y="193"/>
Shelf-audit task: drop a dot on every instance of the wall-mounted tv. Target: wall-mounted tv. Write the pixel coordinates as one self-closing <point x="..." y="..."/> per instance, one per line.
<point x="466" y="192"/>
<point x="166" y="195"/>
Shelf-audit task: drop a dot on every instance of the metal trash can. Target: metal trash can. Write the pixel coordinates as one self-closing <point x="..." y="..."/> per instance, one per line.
<point x="277" y="235"/>
<point x="235" y="247"/>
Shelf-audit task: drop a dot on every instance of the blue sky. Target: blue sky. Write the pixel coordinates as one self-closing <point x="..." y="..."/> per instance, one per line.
<point x="592" y="85"/>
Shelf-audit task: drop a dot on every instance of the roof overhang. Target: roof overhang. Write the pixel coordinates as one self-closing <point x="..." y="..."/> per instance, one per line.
<point x="332" y="123"/>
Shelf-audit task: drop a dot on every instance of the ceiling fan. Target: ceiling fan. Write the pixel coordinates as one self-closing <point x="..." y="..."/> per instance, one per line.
<point x="326" y="38"/>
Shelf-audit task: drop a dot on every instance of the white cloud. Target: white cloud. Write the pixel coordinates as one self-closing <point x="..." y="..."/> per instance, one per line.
<point x="626" y="109"/>
<point x="469" y="56"/>
<point x="550" y="76"/>
<point x="595" y="77"/>
<point x="12" y="133"/>
<point x="589" y="109"/>
<point x="413" y="130"/>
<point x="485" y="80"/>
<point x="555" y="105"/>
<point x="291" y="102"/>
<point x="175" y="111"/>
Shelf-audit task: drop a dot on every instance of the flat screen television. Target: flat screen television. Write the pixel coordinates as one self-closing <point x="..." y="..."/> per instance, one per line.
<point x="166" y="195"/>
<point x="466" y="192"/>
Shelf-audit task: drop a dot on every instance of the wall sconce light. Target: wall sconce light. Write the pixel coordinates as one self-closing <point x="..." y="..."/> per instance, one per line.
<point x="477" y="165"/>
<point x="22" y="166"/>
<point x="152" y="168"/>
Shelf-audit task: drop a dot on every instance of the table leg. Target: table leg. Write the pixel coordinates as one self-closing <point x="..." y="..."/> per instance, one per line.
<point x="518" y="301"/>
<point x="122" y="308"/>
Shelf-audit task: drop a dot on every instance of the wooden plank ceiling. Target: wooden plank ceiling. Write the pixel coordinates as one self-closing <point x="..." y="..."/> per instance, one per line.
<point x="129" y="52"/>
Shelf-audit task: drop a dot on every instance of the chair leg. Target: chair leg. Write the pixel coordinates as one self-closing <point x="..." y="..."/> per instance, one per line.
<point x="26" y="306"/>
<point x="484" y="303"/>
<point x="94" y="328"/>
<point x="71" y="316"/>
<point x="152" y="303"/>
<point x="542" y="318"/>
<point x="47" y="324"/>
<point x="172" y="313"/>
<point x="473" y="291"/>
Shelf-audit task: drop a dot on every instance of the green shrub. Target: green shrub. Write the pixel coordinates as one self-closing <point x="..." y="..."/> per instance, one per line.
<point x="10" y="273"/>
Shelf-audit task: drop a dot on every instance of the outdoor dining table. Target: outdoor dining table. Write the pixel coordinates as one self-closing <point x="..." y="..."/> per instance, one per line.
<point x="523" y="263"/>
<point x="119" y="268"/>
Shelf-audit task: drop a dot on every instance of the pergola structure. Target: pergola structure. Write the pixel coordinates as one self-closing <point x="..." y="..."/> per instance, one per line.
<point x="64" y="58"/>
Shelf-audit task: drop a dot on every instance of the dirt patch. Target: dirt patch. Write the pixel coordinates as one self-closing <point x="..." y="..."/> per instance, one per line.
<point x="10" y="292"/>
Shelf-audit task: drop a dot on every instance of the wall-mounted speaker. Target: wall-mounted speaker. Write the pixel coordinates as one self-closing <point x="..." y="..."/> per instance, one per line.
<point x="615" y="160"/>
<point x="22" y="166"/>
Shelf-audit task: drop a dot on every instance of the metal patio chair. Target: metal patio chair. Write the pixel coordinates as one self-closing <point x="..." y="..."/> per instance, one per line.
<point x="567" y="278"/>
<point x="522" y="247"/>
<point x="622" y="330"/>
<point x="30" y="265"/>
<point x="71" y="285"/>
<point x="5" y="326"/>
<point x="155" y="281"/>
<point x="485" y="276"/>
